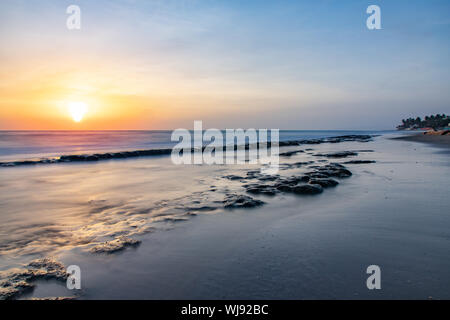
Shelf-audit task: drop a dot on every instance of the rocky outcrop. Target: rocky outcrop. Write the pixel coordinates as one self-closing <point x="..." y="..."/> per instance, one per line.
<point x="307" y="189"/>
<point x="234" y="201"/>
<point x="331" y="170"/>
<point x="15" y="282"/>
<point x="115" y="245"/>
<point x="312" y="182"/>
<point x="341" y="154"/>
<point x="290" y="153"/>
<point x="359" y="161"/>
<point x="324" y="182"/>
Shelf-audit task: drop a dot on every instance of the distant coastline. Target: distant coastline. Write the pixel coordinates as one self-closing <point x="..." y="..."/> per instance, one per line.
<point x="435" y="129"/>
<point x="433" y="122"/>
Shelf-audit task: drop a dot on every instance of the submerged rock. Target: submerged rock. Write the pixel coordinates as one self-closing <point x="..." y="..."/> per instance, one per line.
<point x="15" y="282"/>
<point x="234" y="177"/>
<point x="290" y="153"/>
<point x="333" y="170"/>
<point x="311" y="182"/>
<point x="341" y="154"/>
<point x="92" y="158"/>
<point x="261" y="189"/>
<point x="268" y="177"/>
<point x="317" y="175"/>
<point x="285" y="187"/>
<point x="359" y="161"/>
<point x="241" y="201"/>
<point x="71" y="158"/>
<point x="307" y="189"/>
<point x="324" y="183"/>
<point x="287" y="166"/>
<point x="351" y="137"/>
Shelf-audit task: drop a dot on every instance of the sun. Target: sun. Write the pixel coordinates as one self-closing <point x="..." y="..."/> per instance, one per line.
<point x="77" y="110"/>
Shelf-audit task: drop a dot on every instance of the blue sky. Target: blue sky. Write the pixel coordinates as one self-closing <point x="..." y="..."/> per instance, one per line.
<point x="277" y="64"/>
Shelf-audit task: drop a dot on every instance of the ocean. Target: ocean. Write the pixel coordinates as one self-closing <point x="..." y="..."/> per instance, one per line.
<point x="26" y="145"/>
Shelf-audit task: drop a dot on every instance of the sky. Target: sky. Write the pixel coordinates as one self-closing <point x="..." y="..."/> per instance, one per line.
<point x="232" y="64"/>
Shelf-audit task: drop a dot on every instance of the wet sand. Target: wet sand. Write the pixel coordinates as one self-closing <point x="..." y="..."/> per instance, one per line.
<point x="438" y="140"/>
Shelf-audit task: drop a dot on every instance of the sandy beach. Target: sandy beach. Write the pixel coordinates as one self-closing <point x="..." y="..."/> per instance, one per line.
<point x="438" y="140"/>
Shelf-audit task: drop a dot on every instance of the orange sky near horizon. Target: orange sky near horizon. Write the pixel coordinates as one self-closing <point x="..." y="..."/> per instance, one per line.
<point x="120" y="98"/>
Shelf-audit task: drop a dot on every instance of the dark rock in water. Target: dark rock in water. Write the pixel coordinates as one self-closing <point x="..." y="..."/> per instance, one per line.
<point x="324" y="183"/>
<point x="284" y="187"/>
<point x="359" y="161"/>
<point x="103" y="155"/>
<point x="201" y="208"/>
<point x="261" y="189"/>
<point x="114" y="155"/>
<point x="318" y="175"/>
<point x="91" y="158"/>
<point x="26" y="162"/>
<point x="342" y="154"/>
<point x="190" y="214"/>
<point x="267" y="177"/>
<point x="334" y="170"/>
<point x="256" y="174"/>
<point x="341" y="173"/>
<point x="233" y="177"/>
<point x="300" y="164"/>
<point x="173" y="219"/>
<point x="297" y="179"/>
<point x="358" y="138"/>
<point x="264" y="191"/>
<point x="352" y="137"/>
<point x="313" y="141"/>
<point x="290" y="153"/>
<point x="288" y="143"/>
<point x="253" y="174"/>
<point x="233" y="201"/>
<point x="8" y="164"/>
<point x="307" y="189"/>
<point x="71" y="158"/>
<point x="118" y="155"/>
<point x="303" y="179"/>
<point x="336" y="165"/>
<point x="286" y="184"/>
<point x="286" y="166"/>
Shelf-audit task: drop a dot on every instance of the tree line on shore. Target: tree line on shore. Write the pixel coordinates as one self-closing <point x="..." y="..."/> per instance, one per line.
<point x="434" y="121"/>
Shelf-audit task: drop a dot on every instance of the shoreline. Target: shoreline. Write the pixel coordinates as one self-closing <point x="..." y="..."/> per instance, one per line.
<point x="437" y="140"/>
